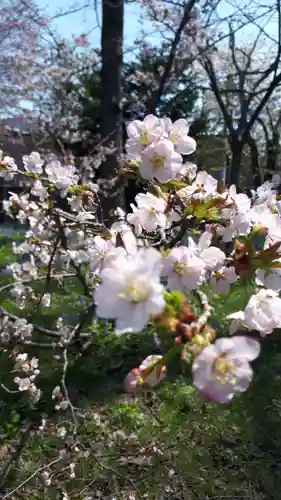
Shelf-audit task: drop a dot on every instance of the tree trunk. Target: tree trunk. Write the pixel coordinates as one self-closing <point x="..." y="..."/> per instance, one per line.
<point x="273" y="151"/>
<point x="256" y="174"/>
<point x="112" y="189"/>
<point x="235" y="163"/>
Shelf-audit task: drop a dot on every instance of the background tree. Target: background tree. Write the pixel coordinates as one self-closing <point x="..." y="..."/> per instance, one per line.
<point x="242" y="79"/>
<point x="22" y="52"/>
<point x="111" y="108"/>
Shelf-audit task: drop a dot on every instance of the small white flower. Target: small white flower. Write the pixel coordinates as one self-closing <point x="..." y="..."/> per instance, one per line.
<point x="61" y="176"/>
<point x="34" y="363"/>
<point x="131" y="290"/>
<point x="149" y="213"/>
<point x="56" y="392"/>
<point x="223" y="368"/>
<point x="39" y="190"/>
<point x="184" y="270"/>
<point x="189" y="170"/>
<point x="177" y="132"/>
<point x="8" y="167"/>
<point x="99" y="251"/>
<point x="240" y="225"/>
<point x="46" y="478"/>
<point x="33" y="163"/>
<point x="127" y="236"/>
<point x="222" y="279"/>
<point x="203" y="186"/>
<point x="161" y="162"/>
<point x="213" y="257"/>
<point x="24" y="384"/>
<point x="145" y="373"/>
<point x="262" y="214"/>
<point x="270" y="280"/>
<point x="61" y="432"/>
<point x="46" y="300"/>
<point x="142" y="134"/>
<point x="241" y="200"/>
<point x="237" y="321"/>
<point x="263" y="312"/>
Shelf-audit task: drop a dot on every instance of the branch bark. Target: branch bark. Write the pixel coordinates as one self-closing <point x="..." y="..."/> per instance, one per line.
<point x="169" y="64"/>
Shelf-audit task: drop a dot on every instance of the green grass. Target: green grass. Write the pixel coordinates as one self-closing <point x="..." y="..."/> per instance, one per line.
<point x="161" y="445"/>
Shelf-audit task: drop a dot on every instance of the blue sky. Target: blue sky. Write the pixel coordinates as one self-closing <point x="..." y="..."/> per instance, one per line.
<point x="85" y="20"/>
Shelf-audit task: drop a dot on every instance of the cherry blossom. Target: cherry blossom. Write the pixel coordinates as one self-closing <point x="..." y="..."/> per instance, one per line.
<point x="212" y="256"/>
<point x="99" y="251"/>
<point x="222" y="279"/>
<point x="8" y="167"/>
<point x="270" y="280"/>
<point x="184" y="270"/>
<point x="202" y="187"/>
<point x="263" y="312"/>
<point x="223" y="369"/>
<point x="177" y="132"/>
<point x="161" y="162"/>
<point x="131" y="290"/>
<point x="62" y="176"/>
<point x="189" y="170"/>
<point x="139" y="376"/>
<point x="33" y="163"/>
<point x="121" y="228"/>
<point x="149" y="214"/>
<point x="241" y="200"/>
<point x="237" y="319"/>
<point x="143" y="134"/>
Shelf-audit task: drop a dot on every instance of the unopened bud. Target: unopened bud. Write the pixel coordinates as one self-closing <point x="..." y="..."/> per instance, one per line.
<point x="209" y="335"/>
<point x="259" y="230"/>
<point x="185" y="330"/>
<point x="199" y="340"/>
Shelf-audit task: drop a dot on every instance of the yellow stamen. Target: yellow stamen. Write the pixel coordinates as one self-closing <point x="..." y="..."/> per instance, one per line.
<point x="158" y="161"/>
<point x="135" y="292"/>
<point x="224" y="370"/>
<point x="174" y="138"/>
<point x="180" y="268"/>
<point x="144" y="138"/>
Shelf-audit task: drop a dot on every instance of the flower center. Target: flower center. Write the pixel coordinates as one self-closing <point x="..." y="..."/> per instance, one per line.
<point x="224" y="370"/>
<point x="218" y="275"/>
<point x="158" y="161"/>
<point x="174" y="138"/>
<point x="144" y="137"/>
<point x="200" y="188"/>
<point x="154" y="212"/>
<point x="136" y="291"/>
<point x="180" y="268"/>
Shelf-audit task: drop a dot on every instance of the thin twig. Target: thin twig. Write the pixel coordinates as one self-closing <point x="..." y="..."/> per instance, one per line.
<point x="40" y="469"/>
<point x="16" y="453"/>
<point x="66" y="395"/>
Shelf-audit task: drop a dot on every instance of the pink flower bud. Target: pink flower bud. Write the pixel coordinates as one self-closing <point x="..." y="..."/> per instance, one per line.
<point x="143" y="375"/>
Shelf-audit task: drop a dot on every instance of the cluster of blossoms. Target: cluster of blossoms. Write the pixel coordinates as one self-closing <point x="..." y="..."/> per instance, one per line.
<point x="28" y="371"/>
<point x="144" y="270"/>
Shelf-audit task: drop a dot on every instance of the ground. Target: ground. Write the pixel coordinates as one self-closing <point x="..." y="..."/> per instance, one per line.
<point x="161" y="445"/>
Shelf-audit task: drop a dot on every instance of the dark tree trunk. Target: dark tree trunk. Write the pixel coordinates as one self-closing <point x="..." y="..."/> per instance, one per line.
<point x="112" y="190"/>
<point x="235" y="163"/>
<point x="256" y="176"/>
<point x="273" y="148"/>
